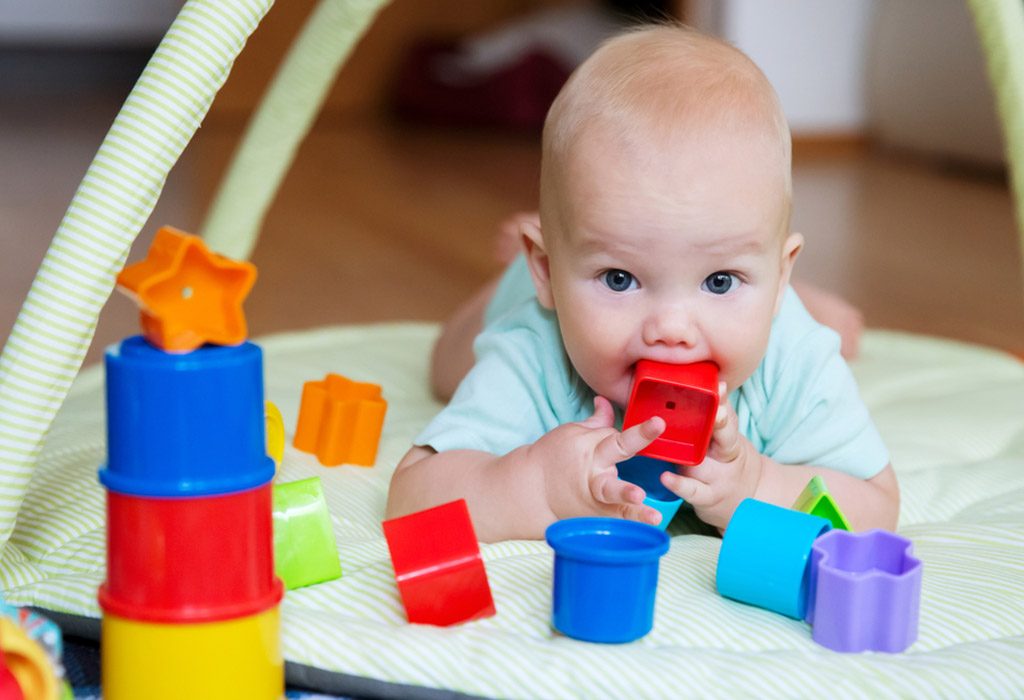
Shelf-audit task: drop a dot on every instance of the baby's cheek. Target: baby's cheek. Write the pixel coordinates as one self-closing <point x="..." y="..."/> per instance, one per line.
<point x="736" y="369"/>
<point x="617" y="389"/>
<point x="621" y="394"/>
<point x="743" y="354"/>
<point x="604" y="378"/>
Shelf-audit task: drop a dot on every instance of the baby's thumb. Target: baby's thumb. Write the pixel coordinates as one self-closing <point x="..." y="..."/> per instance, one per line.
<point x="603" y="415"/>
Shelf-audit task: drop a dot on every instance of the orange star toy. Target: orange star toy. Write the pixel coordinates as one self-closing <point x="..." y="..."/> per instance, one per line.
<point x="340" y="421"/>
<point x="188" y="294"/>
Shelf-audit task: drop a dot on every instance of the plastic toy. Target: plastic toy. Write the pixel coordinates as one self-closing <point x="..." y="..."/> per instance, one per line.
<point x="646" y="472"/>
<point x="816" y="500"/>
<point x="865" y="591"/>
<point x="605" y="578"/>
<point x="28" y="669"/>
<point x="238" y="658"/>
<point x="440" y="574"/>
<point x="184" y="423"/>
<point x="274" y="423"/>
<point x="304" y="548"/>
<point x="766" y="555"/>
<point x="190" y="603"/>
<point x="39" y="629"/>
<point x="188" y="294"/>
<point x="29" y="662"/>
<point x="340" y="421"/>
<point x="205" y="558"/>
<point x="686" y="396"/>
<point x="9" y="686"/>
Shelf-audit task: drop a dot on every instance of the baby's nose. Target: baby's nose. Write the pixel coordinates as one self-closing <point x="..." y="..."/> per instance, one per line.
<point x="671" y="327"/>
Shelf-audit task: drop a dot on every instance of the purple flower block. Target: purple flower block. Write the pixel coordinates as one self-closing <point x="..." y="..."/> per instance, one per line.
<point x="865" y="591"/>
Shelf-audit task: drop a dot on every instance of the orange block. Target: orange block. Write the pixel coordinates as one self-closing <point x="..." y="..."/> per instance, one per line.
<point x="340" y="421"/>
<point x="188" y="294"/>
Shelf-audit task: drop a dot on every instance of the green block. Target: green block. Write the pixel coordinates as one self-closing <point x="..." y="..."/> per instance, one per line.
<point x="304" y="549"/>
<point x="816" y="500"/>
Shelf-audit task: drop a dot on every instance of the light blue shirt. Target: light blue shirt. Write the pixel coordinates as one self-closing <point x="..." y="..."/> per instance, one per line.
<point x="800" y="406"/>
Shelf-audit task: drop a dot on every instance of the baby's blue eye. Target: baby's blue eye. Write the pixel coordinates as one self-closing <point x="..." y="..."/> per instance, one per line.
<point x="720" y="282"/>
<point x="619" y="280"/>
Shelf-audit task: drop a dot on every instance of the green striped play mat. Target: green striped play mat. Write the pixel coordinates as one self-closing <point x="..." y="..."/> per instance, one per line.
<point x="952" y="414"/>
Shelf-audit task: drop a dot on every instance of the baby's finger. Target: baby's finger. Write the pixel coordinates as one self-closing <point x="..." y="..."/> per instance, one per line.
<point x="725" y="410"/>
<point x="691" y="490"/>
<point x="603" y="415"/>
<point x="639" y="513"/>
<point x="626" y="444"/>
<point x="705" y="472"/>
<point x="725" y="442"/>
<point x="609" y="489"/>
<point x="721" y="416"/>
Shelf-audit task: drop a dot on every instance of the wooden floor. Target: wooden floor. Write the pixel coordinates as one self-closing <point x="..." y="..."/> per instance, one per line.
<point x="379" y="221"/>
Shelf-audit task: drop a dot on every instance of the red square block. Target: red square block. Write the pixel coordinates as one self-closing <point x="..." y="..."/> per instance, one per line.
<point x="686" y="397"/>
<point x="438" y="568"/>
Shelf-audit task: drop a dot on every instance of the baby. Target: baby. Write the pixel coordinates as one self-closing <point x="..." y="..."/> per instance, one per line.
<point x="664" y="235"/>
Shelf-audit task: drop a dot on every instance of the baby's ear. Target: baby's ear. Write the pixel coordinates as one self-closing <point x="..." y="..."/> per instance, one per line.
<point x="537" y="260"/>
<point x="791" y="248"/>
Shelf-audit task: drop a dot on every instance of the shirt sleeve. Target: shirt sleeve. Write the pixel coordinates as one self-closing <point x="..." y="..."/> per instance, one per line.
<point x="514" y="289"/>
<point x="814" y="413"/>
<point x="505" y="401"/>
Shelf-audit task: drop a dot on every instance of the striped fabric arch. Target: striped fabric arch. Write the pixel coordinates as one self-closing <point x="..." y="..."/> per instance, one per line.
<point x="282" y="120"/>
<point x="1000" y="27"/>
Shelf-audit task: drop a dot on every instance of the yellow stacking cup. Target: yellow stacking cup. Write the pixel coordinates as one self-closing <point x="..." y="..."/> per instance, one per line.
<point x="237" y="659"/>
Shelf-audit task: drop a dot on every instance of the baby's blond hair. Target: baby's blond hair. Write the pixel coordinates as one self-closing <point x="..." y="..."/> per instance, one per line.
<point x="656" y="80"/>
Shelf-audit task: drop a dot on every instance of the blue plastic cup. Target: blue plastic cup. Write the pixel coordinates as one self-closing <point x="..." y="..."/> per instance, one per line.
<point x="646" y="472"/>
<point x="606" y="578"/>
<point x="184" y="424"/>
<point x="765" y="557"/>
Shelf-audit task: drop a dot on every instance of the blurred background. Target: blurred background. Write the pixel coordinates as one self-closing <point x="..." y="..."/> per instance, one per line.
<point x="430" y="138"/>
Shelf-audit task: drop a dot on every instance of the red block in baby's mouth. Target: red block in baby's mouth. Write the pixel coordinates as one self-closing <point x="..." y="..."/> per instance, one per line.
<point x="686" y="397"/>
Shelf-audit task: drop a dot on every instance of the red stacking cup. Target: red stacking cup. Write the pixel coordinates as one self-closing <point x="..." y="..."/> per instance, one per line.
<point x="198" y="559"/>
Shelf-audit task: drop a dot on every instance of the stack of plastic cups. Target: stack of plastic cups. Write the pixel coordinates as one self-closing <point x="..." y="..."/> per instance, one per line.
<point x="190" y="604"/>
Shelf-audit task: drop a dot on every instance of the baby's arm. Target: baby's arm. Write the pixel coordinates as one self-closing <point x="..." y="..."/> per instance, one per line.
<point x="735" y="470"/>
<point x="452" y="357"/>
<point x="568" y="472"/>
<point x="866" y="503"/>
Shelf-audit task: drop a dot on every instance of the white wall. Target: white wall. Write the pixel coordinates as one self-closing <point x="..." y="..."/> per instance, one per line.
<point x="928" y="90"/>
<point x="85" y="22"/>
<point x="908" y="72"/>
<point x="813" y="52"/>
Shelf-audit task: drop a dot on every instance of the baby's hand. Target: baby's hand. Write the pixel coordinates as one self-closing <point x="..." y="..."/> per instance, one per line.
<point x="730" y="472"/>
<point x="578" y="461"/>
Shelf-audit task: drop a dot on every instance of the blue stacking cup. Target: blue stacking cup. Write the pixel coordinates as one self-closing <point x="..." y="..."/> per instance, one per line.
<point x="765" y="557"/>
<point x="184" y="424"/>
<point x="645" y="472"/>
<point x="606" y="578"/>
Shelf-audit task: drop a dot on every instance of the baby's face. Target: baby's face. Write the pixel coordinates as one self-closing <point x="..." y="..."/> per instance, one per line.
<point x="675" y="255"/>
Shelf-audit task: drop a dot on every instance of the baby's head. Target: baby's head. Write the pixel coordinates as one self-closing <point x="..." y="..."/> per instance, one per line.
<point x="665" y="198"/>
